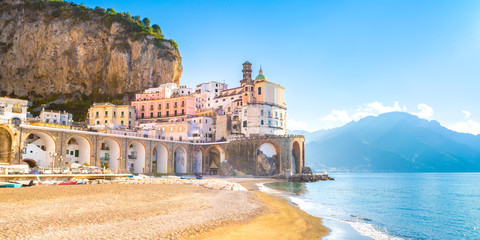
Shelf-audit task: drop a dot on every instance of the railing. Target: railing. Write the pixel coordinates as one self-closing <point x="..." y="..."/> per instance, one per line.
<point x="104" y="158"/>
<point x="17" y="110"/>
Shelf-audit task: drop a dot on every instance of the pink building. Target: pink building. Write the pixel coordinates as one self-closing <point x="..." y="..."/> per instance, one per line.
<point x="165" y="108"/>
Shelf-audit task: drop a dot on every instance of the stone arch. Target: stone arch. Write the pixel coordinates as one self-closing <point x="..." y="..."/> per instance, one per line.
<point x="197" y="159"/>
<point x="6" y="140"/>
<point x="110" y="153"/>
<point x="137" y="156"/>
<point x="81" y="147"/>
<point x="160" y="158"/>
<point x="297" y="161"/>
<point x="180" y="159"/>
<point x="268" y="158"/>
<point x="215" y="156"/>
<point x="40" y="146"/>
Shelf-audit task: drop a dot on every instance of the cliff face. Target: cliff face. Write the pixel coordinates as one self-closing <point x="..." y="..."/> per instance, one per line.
<point x="43" y="52"/>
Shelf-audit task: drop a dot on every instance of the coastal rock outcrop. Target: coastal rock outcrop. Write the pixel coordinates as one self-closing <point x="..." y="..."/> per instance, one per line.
<point x="51" y="47"/>
<point x="266" y="166"/>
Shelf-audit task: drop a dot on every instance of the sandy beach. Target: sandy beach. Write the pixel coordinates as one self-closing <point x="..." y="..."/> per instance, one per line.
<point x="174" y="211"/>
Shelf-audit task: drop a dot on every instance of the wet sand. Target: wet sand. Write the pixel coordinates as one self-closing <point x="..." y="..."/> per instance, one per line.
<point x="116" y="211"/>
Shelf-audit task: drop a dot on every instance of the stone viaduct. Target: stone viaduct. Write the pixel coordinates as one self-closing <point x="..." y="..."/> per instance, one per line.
<point x="127" y="154"/>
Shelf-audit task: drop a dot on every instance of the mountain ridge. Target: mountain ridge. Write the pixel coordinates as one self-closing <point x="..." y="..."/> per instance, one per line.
<point x="394" y="142"/>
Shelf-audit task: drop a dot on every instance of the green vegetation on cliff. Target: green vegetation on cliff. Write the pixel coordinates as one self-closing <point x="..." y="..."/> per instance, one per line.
<point x="135" y="28"/>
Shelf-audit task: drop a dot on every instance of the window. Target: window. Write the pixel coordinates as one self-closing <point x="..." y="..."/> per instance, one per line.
<point x="129" y="114"/>
<point x="261" y="112"/>
<point x="168" y="106"/>
<point x="122" y="114"/>
<point x="159" y="114"/>
<point x="183" y="111"/>
<point x="76" y="153"/>
<point x="114" y="113"/>
<point x="168" y="114"/>
<point x="183" y="103"/>
<point x="106" y="113"/>
<point x="259" y="91"/>
<point x="181" y="128"/>
<point x="98" y="122"/>
<point x="175" y="105"/>
<point x="151" y="107"/>
<point x="261" y="122"/>
<point x="121" y="122"/>
<point x="175" y="113"/>
<point x="129" y="123"/>
<point x="159" y="106"/>
<point x="96" y="115"/>
<point x="151" y="115"/>
<point x="106" y="121"/>
<point x="143" y="108"/>
<point x="143" y="115"/>
<point x="47" y="121"/>
<point x="244" y="123"/>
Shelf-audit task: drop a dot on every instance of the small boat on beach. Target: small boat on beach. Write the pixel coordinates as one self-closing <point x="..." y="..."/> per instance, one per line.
<point x="24" y="183"/>
<point x="9" y="185"/>
<point x="68" y="183"/>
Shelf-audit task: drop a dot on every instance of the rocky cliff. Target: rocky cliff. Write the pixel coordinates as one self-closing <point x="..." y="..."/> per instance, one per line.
<point x="51" y="47"/>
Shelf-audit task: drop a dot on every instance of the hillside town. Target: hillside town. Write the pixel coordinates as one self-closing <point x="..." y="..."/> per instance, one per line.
<point x="208" y="112"/>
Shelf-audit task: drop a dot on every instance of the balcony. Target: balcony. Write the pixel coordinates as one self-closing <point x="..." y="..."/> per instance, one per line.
<point x="16" y="110"/>
<point x="104" y="158"/>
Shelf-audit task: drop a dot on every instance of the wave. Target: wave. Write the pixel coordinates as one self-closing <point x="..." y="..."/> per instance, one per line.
<point x="369" y="230"/>
<point x="363" y="228"/>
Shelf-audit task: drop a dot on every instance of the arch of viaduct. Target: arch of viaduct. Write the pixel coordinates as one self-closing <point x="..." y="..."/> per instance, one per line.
<point x="156" y="156"/>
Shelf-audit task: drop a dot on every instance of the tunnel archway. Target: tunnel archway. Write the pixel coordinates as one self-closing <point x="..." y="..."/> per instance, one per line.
<point x="137" y="157"/>
<point x="180" y="157"/>
<point x="160" y="158"/>
<point x="197" y="160"/>
<point x="6" y="147"/>
<point x="79" y="150"/>
<point x="268" y="159"/>
<point x="110" y="154"/>
<point x="40" y="147"/>
<point x="296" y="158"/>
<point x="215" y="156"/>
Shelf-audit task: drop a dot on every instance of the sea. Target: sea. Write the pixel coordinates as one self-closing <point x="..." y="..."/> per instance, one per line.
<point x="391" y="205"/>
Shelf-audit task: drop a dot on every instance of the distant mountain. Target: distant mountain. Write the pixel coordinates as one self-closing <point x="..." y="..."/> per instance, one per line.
<point x="393" y="142"/>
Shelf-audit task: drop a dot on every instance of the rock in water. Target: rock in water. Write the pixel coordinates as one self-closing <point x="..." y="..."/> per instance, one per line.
<point x="47" y="47"/>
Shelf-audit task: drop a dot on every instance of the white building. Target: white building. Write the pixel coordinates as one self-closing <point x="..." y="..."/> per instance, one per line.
<point x="201" y="129"/>
<point x="213" y="87"/>
<point x="13" y="110"/>
<point x="182" y="91"/>
<point x="56" y="117"/>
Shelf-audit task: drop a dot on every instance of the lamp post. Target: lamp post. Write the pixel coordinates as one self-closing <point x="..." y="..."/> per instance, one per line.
<point x="119" y="163"/>
<point x="53" y="155"/>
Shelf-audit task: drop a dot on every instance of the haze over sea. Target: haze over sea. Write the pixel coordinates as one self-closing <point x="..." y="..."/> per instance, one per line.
<point x="393" y="205"/>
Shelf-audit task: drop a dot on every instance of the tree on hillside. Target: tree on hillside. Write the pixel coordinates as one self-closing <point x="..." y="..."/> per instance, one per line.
<point x="157" y="29"/>
<point x="137" y="18"/>
<point x="146" y="22"/>
<point x="111" y="11"/>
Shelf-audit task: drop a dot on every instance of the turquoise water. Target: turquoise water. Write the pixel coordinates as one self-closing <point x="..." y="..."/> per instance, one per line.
<point x="395" y="205"/>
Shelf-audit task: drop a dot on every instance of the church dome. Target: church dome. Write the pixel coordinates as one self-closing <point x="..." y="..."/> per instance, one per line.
<point x="260" y="75"/>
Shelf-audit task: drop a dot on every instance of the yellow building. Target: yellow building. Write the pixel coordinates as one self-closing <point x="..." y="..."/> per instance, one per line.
<point x="111" y="116"/>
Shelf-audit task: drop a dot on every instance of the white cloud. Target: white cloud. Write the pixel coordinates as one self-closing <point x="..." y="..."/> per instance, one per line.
<point x="468" y="126"/>
<point x="337" y="115"/>
<point x="425" y="111"/>
<point x="297" y="125"/>
<point x="337" y="118"/>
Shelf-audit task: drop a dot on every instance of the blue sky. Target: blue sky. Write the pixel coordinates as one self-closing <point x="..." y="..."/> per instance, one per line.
<point x="338" y="60"/>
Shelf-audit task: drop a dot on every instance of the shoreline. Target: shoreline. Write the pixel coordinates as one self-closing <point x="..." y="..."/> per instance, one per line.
<point x="153" y="211"/>
<point x="291" y="222"/>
